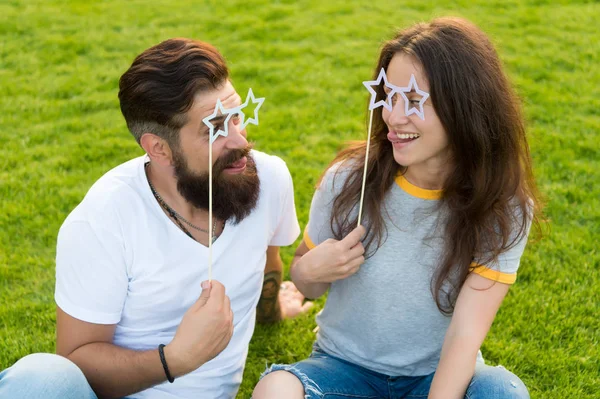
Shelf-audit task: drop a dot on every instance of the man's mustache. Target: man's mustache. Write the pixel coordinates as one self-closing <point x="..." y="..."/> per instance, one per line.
<point x="232" y="156"/>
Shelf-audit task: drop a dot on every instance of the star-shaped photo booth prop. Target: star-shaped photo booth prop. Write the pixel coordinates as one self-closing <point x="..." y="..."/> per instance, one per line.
<point x="227" y="113"/>
<point x="222" y="115"/>
<point x="373" y="103"/>
<point x="369" y="84"/>
<point x="412" y="87"/>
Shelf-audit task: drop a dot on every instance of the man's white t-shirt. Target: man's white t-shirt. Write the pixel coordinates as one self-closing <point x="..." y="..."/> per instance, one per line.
<point x="120" y="260"/>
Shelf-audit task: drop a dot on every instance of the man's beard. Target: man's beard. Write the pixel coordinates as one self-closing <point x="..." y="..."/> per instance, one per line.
<point x="234" y="195"/>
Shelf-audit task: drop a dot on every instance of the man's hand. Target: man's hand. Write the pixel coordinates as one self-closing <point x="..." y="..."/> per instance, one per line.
<point x="204" y="331"/>
<point x="292" y="301"/>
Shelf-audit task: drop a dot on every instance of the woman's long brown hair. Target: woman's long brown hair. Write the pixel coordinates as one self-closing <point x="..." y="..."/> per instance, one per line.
<point x="490" y="195"/>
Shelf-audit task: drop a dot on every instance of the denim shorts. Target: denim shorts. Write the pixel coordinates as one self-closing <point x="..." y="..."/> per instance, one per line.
<point x="326" y="376"/>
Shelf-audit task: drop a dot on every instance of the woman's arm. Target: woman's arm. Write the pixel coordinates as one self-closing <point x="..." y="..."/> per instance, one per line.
<point x="314" y="269"/>
<point x="310" y="290"/>
<point x="475" y="310"/>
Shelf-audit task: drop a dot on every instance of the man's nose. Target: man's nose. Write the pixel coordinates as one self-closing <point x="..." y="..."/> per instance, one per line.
<point x="237" y="136"/>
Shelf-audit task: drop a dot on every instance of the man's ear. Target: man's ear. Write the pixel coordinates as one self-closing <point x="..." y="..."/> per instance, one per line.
<point x="157" y="149"/>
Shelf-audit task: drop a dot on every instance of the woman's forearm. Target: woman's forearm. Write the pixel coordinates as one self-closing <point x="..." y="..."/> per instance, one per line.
<point x="310" y="290"/>
<point x="455" y="370"/>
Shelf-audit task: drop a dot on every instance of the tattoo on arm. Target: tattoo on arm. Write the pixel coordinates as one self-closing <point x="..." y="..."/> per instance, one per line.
<point x="268" y="309"/>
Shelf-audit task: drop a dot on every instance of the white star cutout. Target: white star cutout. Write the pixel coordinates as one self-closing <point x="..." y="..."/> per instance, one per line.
<point x="403" y="90"/>
<point x="223" y="111"/>
<point x="387" y="103"/>
<point x="259" y="101"/>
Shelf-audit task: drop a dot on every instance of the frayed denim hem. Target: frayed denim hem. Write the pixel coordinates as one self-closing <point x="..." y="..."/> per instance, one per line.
<point x="311" y="388"/>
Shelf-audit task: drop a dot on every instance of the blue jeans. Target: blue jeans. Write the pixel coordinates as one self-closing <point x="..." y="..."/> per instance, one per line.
<point x="325" y="376"/>
<point x="47" y="376"/>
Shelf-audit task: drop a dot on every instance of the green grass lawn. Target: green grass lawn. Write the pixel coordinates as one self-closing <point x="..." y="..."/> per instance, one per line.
<point x="61" y="129"/>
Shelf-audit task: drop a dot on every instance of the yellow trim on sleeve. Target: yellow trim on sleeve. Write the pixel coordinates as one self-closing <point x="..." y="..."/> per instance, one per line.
<point x="309" y="243"/>
<point x="417" y="191"/>
<point x="494" y="275"/>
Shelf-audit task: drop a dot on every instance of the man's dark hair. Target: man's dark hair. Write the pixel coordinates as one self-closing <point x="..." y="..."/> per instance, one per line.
<point x="159" y="87"/>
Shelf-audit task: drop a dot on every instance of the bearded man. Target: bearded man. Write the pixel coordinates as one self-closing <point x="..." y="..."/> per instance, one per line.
<point x="132" y="318"/>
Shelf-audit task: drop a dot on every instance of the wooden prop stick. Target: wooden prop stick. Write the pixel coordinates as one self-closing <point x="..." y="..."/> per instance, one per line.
<point x="210" y="211"/>
<point x="364" y="182"/>
<point x="387" y="104"/>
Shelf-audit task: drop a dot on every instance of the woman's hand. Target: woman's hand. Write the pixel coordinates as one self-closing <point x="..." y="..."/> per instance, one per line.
<point x="332" y="260"/>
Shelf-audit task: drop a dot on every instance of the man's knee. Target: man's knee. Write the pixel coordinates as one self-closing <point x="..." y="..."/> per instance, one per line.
<point x="496" y="382"/>
<point x="279" y="384"/>
<point x="49" y="375"/>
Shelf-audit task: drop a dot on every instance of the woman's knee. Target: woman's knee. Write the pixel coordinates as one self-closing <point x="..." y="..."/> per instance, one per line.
<point x="496" y="382"/>
<point x="279" y="384"/>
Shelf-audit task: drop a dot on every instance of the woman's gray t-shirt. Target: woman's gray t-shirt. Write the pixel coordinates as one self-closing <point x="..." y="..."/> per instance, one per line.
<point x="384" y="317"/>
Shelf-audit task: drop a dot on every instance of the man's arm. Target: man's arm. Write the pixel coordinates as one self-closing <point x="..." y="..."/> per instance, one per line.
<point x="113" y="371"/>
<point x="475" y="310"/>
<point x="90" y="347"/>
<point x="268" y="309"/>
<point x="278" y="301"/>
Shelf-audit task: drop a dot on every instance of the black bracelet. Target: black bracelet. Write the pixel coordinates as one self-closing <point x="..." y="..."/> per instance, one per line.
<point x="161" y="352"/>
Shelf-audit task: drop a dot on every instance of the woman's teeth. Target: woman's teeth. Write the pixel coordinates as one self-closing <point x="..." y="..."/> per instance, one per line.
<point x="407" y="136"/>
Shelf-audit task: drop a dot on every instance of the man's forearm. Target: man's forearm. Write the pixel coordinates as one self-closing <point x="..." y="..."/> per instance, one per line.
<point x="114" y="372"/>
<point x="268" y="309"/>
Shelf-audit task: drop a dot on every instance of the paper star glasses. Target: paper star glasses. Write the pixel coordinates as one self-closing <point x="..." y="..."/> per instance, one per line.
<point x="230" y="112"/>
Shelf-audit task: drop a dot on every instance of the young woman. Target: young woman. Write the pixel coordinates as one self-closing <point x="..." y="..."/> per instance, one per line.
<point x="449" y="202"/>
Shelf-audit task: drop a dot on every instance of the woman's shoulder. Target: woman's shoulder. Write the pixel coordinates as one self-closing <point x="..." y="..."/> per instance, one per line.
<point x="336" y="175"/>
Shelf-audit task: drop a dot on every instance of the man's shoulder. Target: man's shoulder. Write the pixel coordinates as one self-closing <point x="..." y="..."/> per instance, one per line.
<point x="270" y="167"/>
<point x="112" y="194"/>
<point x="267" y="161"/>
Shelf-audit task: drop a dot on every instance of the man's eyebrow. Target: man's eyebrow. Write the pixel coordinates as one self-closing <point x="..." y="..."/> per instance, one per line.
<point x="217" y="120"/>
